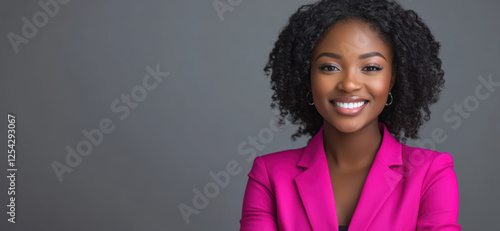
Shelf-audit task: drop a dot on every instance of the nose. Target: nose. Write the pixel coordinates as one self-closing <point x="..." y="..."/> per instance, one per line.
<point x="349" y="82"/>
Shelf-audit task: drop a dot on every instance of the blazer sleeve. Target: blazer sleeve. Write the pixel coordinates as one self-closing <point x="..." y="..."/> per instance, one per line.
<point x="259" y="202"/>
<point x="439" y="197"/>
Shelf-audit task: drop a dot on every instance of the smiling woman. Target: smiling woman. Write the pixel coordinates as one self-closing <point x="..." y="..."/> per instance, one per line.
<point x="358" y="76"/>
<point x="341" y="77"/>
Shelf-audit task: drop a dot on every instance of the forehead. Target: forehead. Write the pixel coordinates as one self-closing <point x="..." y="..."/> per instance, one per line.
<point x="352" y="37"/>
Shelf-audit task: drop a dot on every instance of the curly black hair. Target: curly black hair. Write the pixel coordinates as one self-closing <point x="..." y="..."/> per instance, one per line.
<point x="419" y="78"/>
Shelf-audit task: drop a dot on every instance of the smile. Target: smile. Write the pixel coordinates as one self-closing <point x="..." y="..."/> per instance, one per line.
<point x="349" y="106"/>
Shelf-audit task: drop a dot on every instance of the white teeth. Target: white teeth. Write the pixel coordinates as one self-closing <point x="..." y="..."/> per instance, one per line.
<point x="350" y="105"/>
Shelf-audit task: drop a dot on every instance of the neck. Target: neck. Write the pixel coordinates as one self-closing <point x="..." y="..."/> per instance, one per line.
<point x="351" y="151"/>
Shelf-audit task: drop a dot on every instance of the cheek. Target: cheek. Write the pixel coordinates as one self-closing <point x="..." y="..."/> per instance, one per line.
<point x="379" y="89"/>
<point x="318" y="83"/>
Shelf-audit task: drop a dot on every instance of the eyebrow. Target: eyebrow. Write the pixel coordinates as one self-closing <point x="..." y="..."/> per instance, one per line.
<point x="363" y="56"/>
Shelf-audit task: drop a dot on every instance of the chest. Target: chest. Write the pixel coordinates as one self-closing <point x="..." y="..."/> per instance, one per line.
<point x="347" y="189"/>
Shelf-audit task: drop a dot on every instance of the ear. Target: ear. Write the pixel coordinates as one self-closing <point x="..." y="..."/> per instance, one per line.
<point x="394" y="75"/>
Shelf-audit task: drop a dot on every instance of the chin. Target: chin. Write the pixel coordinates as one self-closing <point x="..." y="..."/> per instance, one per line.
<point x="347" y="126"/>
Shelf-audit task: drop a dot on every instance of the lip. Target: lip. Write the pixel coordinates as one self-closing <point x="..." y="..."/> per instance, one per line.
<point x="351" y="99"/>
<point x="349" y="111"/>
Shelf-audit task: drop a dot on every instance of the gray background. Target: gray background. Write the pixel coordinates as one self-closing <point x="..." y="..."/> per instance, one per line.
<point x="216" y="96"/>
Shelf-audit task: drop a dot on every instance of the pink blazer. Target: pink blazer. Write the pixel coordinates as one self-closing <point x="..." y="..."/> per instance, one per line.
<point x="406" y="188"/>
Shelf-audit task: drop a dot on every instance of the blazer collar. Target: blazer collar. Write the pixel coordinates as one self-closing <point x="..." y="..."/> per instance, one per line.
<point x="315" y="188"/>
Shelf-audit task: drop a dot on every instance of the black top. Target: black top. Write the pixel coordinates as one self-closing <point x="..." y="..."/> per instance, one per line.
<point x="342" y="227"/>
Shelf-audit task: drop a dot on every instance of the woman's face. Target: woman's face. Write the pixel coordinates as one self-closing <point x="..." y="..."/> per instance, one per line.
<point x="351" y="76"/>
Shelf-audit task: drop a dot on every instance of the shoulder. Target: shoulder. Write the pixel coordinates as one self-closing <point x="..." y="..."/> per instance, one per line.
<point x="285" y="157"/>
<point x="427" y="166"/>
<point x="425" y="157"/>
<point x="276" y="163"/>
<point x="432" y="173"/>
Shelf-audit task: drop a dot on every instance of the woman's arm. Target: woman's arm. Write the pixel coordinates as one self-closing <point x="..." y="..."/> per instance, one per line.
<point x="439" y="198"/>
<point x="259" y="203"/>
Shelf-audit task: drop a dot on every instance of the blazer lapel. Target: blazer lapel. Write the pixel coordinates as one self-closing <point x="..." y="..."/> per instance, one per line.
<point x="316" y="193"/>
<point x="314" y="186"/>
<point x="380" y="182"/>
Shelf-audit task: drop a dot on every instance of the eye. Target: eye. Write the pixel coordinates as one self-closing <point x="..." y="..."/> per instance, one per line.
<point x="372" y="67"/>
<point x="329" y="67"/>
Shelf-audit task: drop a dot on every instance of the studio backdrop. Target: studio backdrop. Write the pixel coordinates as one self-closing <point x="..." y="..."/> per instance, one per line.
<point x="147" y="115"/>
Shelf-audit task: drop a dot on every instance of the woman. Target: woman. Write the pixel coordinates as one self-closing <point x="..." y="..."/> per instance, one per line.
<point x="358" y="76"/>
